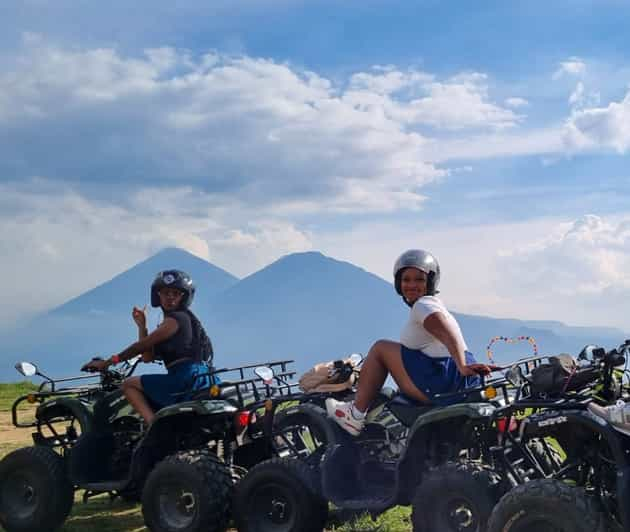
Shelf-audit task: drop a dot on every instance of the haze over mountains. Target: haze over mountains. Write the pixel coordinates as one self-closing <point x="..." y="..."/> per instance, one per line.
<point x="305" y="306"/>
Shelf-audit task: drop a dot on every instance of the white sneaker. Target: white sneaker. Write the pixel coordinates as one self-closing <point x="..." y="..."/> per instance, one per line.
<point x="617" y="414"/>
<point x="342" y="413"/>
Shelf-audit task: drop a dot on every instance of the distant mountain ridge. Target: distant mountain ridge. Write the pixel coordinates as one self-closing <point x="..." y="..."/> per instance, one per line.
<point x="304" y="306"/>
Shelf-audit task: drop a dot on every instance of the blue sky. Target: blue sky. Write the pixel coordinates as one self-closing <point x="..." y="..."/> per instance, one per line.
<point x="492" y="133"/>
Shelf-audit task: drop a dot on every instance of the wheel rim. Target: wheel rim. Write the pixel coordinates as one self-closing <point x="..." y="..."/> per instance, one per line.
<point x="273" y="508"/>
<point x="177" y="505"/>
<point x="20" y="495"/>
<point x="461" y="515"/>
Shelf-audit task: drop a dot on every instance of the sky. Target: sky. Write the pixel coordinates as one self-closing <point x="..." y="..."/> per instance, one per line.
<point x="494" y="134"/>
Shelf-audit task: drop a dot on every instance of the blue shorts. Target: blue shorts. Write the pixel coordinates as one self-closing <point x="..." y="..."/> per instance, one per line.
<point x="177" y="385"/>
<point x="437" y="375"/>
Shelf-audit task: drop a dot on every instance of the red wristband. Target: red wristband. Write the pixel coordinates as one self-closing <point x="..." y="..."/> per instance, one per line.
<point x="115" y="359"/>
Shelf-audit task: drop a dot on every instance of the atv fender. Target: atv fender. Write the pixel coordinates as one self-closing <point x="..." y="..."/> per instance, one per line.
<point x="436" y="415"/>
<point x="66" y="407"/>
<point x="412" y="462"/>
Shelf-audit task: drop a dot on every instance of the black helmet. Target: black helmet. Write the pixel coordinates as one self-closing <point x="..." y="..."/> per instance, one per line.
<point x="423" y="261"/>
<point x="173" y="279"/>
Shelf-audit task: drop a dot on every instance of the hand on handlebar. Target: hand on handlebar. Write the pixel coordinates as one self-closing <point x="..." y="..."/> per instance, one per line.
<point x="478" y="369"/>
<point x="96" y="364"/>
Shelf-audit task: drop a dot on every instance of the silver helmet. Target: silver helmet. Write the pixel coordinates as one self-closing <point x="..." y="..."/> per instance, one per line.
<point x="421" y="260"/>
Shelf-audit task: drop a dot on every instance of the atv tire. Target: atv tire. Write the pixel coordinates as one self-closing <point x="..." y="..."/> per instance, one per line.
<point x="546" y="505"/>
<point x="279" y="495"/>
<point x="35" y="493"/>
<point x="455" y="497"/>
<point x="189" y="491"/>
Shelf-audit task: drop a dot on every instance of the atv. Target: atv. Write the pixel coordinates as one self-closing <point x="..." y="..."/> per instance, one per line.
<point x="437" y="464"/>
<point x="590" y="489"/>
<point x="182" y="467"/>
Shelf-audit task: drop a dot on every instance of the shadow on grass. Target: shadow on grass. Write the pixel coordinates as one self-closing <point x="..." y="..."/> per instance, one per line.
<point x="100" y="514"/>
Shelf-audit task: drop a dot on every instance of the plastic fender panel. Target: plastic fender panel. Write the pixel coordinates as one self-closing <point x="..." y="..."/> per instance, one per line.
<point x="469" y="410"/>
<point x="200" y="408"/>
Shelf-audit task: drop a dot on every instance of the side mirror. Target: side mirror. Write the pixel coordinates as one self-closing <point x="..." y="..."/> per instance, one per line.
<point x="514" y="376"/>
<point x="26" y="368"/>
<point x="355" y="359"/>
<point x="265" y="373"/>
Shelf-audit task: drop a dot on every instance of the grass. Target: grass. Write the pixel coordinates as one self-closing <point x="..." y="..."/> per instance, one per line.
<point x="10" y="392"/>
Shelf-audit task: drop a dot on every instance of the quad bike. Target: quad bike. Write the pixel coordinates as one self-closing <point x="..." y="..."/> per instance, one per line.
<point x="590" y="489"/>
<point x="183" y="466"/>
<point x="451" y="464"/>
<point x="437" y="460"/>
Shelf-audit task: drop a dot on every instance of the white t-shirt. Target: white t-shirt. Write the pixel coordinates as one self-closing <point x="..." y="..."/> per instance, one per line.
<point x="415" y="336"/>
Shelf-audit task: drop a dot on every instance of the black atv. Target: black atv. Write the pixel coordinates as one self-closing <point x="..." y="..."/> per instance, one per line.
<point x="437" y="467"/>
<point x="183" y="467"/>
<point x="590" y="489"/>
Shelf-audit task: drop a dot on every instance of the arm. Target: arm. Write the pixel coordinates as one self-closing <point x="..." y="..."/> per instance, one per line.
<point x="147" y="356"/>
<point x="166" y="329"/>
<point x="140" y="318"/>
<point x="439" y="327"/>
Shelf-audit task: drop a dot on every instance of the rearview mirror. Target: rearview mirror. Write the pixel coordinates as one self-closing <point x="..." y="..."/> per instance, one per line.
<point x="265" y="373"/>
<point x="26" y="368"/>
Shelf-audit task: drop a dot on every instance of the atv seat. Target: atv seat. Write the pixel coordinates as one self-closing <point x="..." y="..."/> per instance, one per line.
<point x="407" y="410"/>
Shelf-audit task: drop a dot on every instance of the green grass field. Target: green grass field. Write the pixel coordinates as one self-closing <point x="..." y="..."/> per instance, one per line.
<point x="100" y="514"/>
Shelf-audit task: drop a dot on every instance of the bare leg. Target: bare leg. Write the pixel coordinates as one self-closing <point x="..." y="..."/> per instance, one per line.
<point x="132" y="388"/>
<point x="383" y="357"/>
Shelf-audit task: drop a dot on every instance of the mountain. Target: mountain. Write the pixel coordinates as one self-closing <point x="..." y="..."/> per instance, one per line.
<point x="99" y="321"/>
<point x="132" y="287"/>
<point x="304" y="306"/>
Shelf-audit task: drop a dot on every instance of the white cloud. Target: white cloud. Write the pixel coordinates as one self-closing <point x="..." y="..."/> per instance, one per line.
<point x="600" y="128"/>
<point x="581" y="267"/>
<point x="232" y="121"/>
<point x="241" y="125"/>
<point x="542" y="269"/>
<point x="574" y="66"/>
<point x="516" y="102"/>
<point x="457" y="103"/>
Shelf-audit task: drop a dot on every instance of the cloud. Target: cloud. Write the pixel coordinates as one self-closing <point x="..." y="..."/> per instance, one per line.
<point x="457" y="103"/>
<point x="581" y="266"/>
<point x="574" y="66"/>
<point x="576" y="272"/>
<point x="599" y="128"/>
<point x="516" y="102"/>
<point x="234" y="125"/>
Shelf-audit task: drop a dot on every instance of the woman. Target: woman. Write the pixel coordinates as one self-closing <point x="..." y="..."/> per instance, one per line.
<point x="432" y="356"/>
<point x="180" y="341"/>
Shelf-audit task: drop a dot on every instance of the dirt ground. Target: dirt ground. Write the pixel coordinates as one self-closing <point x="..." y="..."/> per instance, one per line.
<point x="10" y="434"/>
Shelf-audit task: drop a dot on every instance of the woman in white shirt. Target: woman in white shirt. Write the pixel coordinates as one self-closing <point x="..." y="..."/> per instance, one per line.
<point x="431" y="357"/>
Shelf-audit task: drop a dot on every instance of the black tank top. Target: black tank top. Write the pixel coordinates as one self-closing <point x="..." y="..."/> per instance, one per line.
<point x="180" y="345"/>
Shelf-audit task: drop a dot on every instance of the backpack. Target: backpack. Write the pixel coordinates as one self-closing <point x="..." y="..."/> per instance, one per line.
<point x="201" y="344"/>
<point x="555" y="376"/>
<point x="334" y="376"/>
